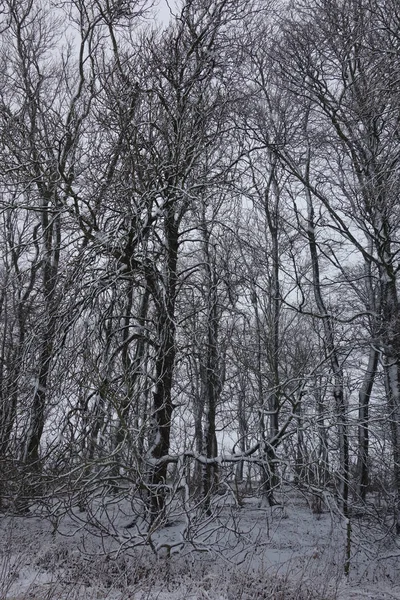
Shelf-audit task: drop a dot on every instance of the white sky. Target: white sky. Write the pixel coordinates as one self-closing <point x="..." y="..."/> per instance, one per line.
<point x="163" y="11"/>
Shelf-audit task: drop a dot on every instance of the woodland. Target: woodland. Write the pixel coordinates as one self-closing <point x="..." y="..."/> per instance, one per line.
<point x="199" y="259"/>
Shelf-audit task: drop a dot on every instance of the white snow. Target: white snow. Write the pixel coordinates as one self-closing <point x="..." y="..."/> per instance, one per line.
<point x="286" y="552"/>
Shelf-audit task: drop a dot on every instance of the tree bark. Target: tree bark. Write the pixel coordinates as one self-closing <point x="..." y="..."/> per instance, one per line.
<point x="333" y="355"/>
<point x="164" y="368"/>
<point x="364" y="397"/>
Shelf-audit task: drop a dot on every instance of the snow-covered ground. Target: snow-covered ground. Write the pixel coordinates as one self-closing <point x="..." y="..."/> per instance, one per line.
<point x="241" y="553"/>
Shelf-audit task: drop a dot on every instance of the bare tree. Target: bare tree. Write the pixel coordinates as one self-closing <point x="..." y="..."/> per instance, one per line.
<point x="349" y="89"/>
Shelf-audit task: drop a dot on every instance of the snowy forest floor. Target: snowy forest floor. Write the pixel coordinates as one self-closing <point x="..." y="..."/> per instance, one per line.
<point x="246" y="553"/>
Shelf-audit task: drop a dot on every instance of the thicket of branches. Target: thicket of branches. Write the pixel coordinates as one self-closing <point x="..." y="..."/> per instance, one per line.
<point x="199" y="251"/>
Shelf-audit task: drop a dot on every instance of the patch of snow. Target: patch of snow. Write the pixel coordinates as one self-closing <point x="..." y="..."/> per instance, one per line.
<point x="235" y="553"/>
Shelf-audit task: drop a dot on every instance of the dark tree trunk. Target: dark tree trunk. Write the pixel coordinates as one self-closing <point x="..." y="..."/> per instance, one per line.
<point x="364" y="397"/>
<point x="164" y="369"/>
<point x="336" y="367"/>
<point x="211" y="373"/>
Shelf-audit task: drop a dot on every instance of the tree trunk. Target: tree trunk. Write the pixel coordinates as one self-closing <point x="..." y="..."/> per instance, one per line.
<point x="164" y="368"/>
<point x="211" y="375"/>
<point x="51" y="228"/>
<point x="391" y="366"/>
<point x="131" y="371"/>
<point x="364" y="397"/>
<point x="336" y="367"/>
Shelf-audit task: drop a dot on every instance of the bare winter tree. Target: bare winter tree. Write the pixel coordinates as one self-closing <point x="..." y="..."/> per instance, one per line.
<point x="349" y="88"/>
<point x="43" y="120"/>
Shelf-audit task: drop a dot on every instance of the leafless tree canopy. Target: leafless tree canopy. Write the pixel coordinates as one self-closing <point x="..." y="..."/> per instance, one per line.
<point x="199" y="233"/>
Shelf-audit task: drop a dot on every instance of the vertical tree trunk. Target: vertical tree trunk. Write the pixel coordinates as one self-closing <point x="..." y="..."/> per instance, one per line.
<point x="336" y="367"/>
<point x="271" y="208"/>
<point x="391" y="366"/>
<point x="364" y="397"/>
<point x="323" y="454"/>
<point x="51" y="231"/>
<point x="131" y="371"/>
<point x="267" y="451"/>
<point x="301" y="457"/>
<point x="242" y="427"/>
<point x="211" y="375"/>
<point x="196" y="377"/>
<point x="393" y="396"/>
<point x="164" y="368"/>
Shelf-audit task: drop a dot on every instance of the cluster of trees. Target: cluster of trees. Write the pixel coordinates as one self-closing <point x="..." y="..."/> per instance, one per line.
<point x="199" y="248"/>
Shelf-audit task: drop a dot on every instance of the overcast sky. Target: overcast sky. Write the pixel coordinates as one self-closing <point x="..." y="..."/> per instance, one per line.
<point x="163" y="10"/>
